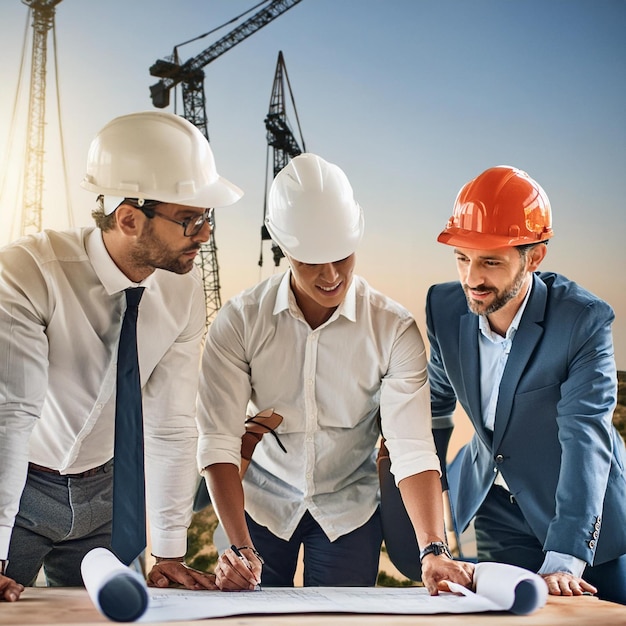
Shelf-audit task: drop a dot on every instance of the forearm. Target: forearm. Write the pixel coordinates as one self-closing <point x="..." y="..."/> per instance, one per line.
<point x="421" y="494"/>
<point x="171" y="477"/>
<point x="227" y="498"/>
<point x="13" y="469"/>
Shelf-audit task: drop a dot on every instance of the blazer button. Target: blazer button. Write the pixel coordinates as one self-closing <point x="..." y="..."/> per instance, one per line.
<point x="597" y="526"/>
<point x="595" y="534"/>
<point x="499" y="458"/>
<point x="592" y="544"/>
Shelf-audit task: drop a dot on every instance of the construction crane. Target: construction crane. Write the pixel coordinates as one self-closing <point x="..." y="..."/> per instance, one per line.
<point x="280" y="139"/>
<point x="43" y="21"/>
<point x="190" y="75"/>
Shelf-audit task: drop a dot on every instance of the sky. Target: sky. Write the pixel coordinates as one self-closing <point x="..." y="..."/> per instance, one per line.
<point x="411" y="98"/>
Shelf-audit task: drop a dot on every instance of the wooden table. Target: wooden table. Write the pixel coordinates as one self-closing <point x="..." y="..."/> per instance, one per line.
<point x="40" y="605"/>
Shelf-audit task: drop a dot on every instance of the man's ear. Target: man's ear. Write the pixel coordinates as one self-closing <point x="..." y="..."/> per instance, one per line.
<point x="536" y="256"/>
<point x="127" y="218"/>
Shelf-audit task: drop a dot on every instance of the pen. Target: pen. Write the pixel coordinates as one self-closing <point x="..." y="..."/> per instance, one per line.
<point x="245" y="561"/>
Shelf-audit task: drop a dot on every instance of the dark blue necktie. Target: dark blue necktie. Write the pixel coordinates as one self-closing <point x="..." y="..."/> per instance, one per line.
<point x="129" y="493"/>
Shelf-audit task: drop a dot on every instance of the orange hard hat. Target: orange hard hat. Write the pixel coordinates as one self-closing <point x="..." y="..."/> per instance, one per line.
<point x="501" y="207"/>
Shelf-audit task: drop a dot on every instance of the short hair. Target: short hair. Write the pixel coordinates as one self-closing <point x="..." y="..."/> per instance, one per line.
<point x="103" y="222"/>
<point x="525" y="248"/>
<point x="107" y="222"/>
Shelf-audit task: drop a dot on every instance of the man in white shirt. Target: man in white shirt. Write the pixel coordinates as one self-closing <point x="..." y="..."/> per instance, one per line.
<point x="335" y="359"/>
<point x="61" y="306"/>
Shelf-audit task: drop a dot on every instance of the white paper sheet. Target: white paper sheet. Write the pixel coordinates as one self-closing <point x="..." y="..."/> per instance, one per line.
<point x="498" y="588"/>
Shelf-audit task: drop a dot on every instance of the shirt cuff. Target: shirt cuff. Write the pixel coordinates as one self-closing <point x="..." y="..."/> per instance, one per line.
<point x="169" y="544"/>
<point x="559" y="562"/>
<point x="5" y="538"/>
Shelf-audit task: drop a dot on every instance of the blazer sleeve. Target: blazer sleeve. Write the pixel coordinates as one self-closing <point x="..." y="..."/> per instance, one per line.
<point x="584" y="422"/>
<point x="442" y="395"/>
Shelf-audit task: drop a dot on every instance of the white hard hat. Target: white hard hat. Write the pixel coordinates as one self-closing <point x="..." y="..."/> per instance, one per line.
<point x="312" y="214"/>
<point x="154" y="155"/>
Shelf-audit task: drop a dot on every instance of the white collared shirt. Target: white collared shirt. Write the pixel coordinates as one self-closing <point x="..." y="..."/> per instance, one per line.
<point x="61" y="307"/>
<point x="329" y="385"/>
<point x="494" y="353"/>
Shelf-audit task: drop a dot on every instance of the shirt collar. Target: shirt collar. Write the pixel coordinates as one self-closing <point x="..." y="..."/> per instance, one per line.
<point x="111" y="277"/>
<point x="285" y="300"/>
<point x="485" y="329"/>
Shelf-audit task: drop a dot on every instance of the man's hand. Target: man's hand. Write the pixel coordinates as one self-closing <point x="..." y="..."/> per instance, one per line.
<point x="436" y="570"/>
<point x="563" y="584"/>
<point x="235" y="573"/>
<point x="10" y="591"/>
<point x="171" y="572"/>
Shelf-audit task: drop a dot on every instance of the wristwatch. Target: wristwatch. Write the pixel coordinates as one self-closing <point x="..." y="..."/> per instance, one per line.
<point x="4" y="563"/>
<point x="436" y="548"/>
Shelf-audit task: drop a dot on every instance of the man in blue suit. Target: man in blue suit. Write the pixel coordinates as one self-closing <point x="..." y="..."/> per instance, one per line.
<point x="529" y="356"/>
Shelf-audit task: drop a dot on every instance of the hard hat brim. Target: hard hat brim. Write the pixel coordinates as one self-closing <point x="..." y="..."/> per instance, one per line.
<point x="463" y="238"/>
<point x="218" y="194"/>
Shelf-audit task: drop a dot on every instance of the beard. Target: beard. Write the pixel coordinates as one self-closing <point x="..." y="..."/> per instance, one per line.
<point x="501" y="296"/>
<point x="151" y="252"/>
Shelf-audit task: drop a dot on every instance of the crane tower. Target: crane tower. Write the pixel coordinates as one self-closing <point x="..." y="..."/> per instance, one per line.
<point x="281" y="139"/>
<point x="190" y="75"/>
<point x="43" y="21"/>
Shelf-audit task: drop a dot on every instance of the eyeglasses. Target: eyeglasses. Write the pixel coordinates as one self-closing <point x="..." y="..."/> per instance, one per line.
<point x="191" y="226"/>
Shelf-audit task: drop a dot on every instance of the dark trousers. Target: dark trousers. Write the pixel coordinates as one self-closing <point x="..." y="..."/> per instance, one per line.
<point x="504" y="536"/>
<point x="349" y="561"/>
<point x="59" y="521"/>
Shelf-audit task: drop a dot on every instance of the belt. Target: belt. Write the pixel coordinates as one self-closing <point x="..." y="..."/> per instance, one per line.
<point x="86" y="474"/>
<point x="512" y="498"/>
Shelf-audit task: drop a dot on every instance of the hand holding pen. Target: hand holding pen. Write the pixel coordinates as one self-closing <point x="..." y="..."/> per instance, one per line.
<point x="235" y="572"/>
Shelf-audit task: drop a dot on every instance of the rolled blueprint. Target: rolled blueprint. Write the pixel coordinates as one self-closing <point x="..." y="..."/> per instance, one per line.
<point x="117" y="591"/>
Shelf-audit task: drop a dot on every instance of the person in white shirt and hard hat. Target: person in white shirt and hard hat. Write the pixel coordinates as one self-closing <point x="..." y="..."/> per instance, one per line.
<point x="325" y="361"/>
<point x="62" y="299"/>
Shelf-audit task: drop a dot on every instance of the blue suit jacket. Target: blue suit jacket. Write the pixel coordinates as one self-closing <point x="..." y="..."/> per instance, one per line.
<point x="553" y="440"/>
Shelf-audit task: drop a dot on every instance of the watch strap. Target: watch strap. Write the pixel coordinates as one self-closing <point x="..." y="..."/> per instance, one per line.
<point x="436" y="548"/>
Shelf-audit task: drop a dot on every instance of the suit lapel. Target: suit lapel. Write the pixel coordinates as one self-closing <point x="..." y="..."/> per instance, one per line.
<point x="469" y="356"/>
<point x="525" y="341"/>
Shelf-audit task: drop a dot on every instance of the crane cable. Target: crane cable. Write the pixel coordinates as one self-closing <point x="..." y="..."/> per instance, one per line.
<point x="70" y="213"/>
<point x="267" y="168"/>
<point x="230" y="21"/>
<point x="210" y="32"/>
<point x="295" y="110"/>
<point x="9" y="145"/>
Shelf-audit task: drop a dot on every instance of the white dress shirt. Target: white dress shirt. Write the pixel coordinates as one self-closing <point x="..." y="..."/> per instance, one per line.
<point x="61" y="307"/>
<point x="330" y="385"/>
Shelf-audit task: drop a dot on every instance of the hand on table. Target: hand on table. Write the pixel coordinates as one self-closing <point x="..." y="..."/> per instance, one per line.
<point x="564" y="584"/>
<point x="437" y="570"/>
<point x="173" y="572"/>
<point x="10" y="591"/>
<point x="238" y="572"/>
